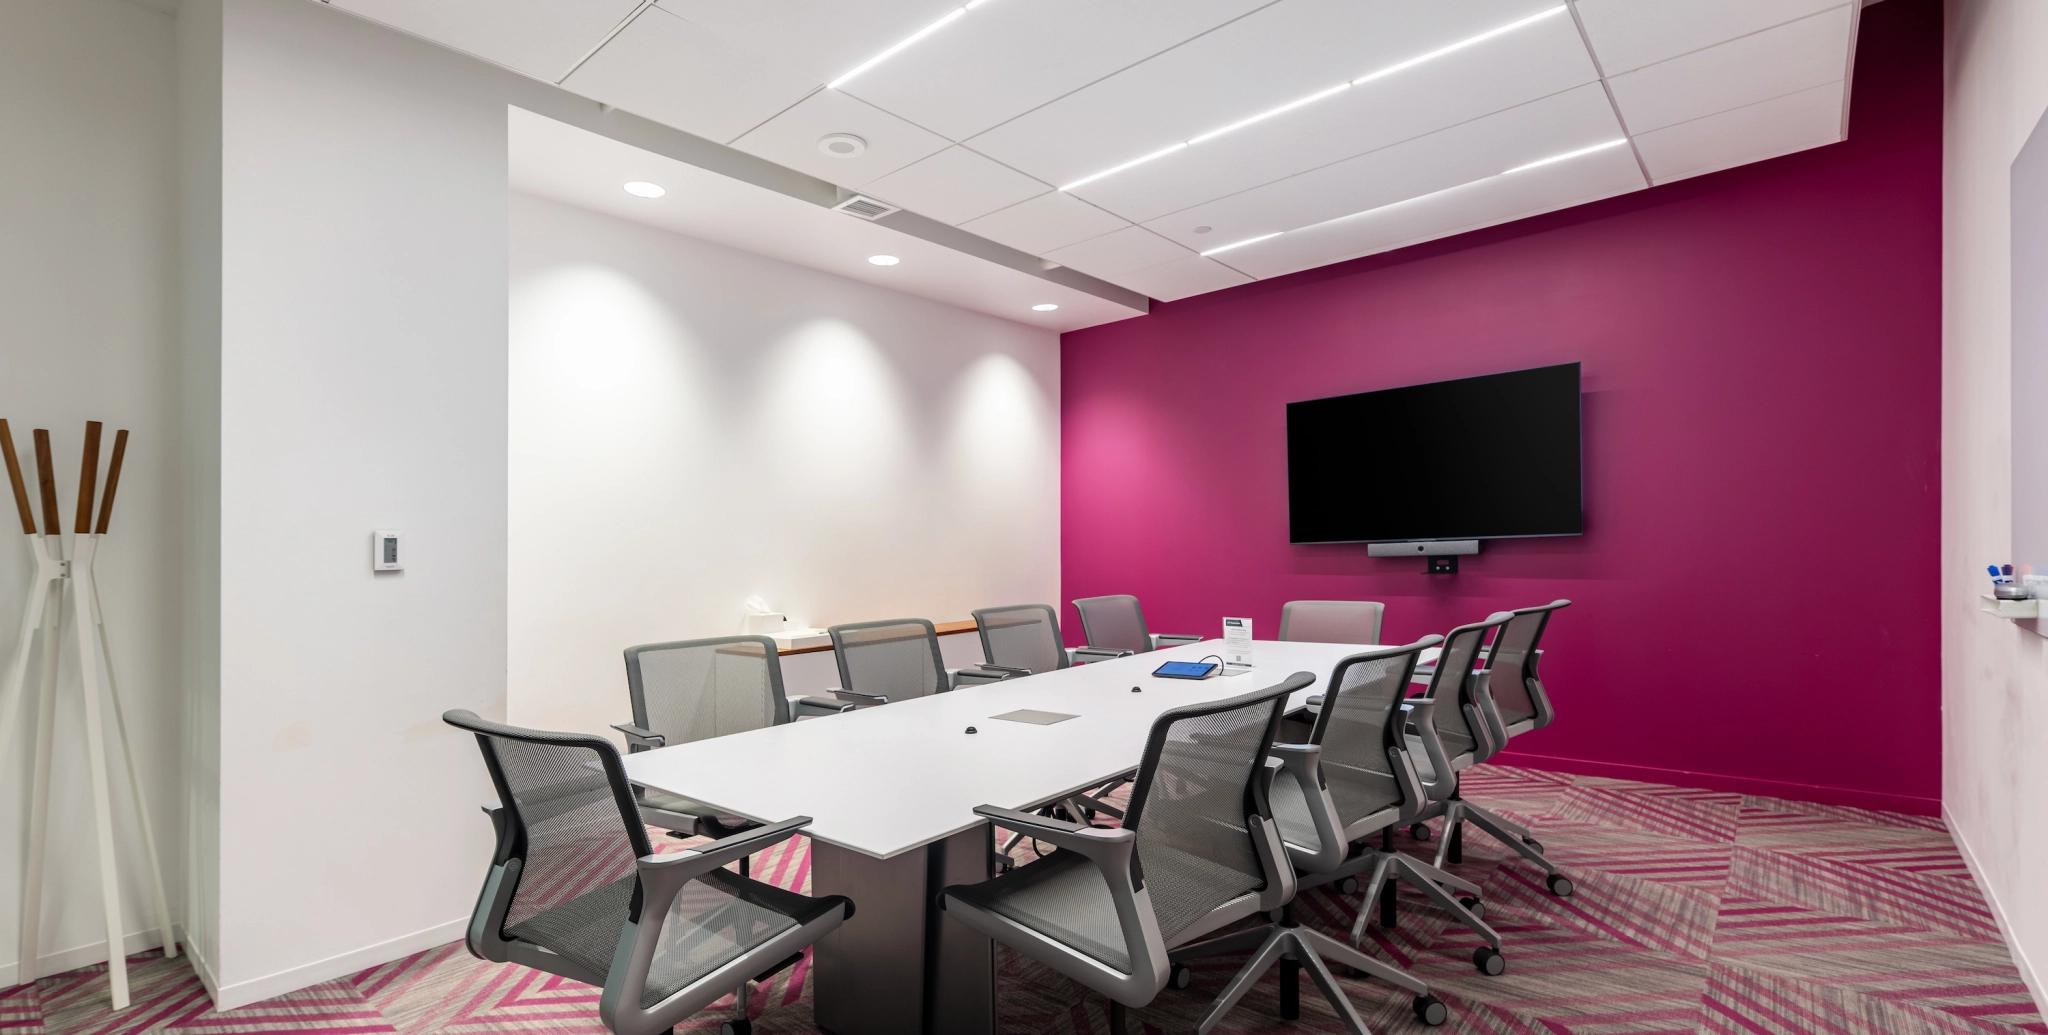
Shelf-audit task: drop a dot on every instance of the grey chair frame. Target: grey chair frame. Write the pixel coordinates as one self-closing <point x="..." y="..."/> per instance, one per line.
<point x="1152" y="641"/>
<point x="640" y="735"/>
<point x="1457" y="812"/>
<point x="659" y="879"/>
<point x="1343" y="852"/>
<point x="1468" y="692"/>
<point x="1114" y="854"/>
<point x="1068" y="656"/>
<point x="946" y="678"/>
<point x="1290" y="609"/>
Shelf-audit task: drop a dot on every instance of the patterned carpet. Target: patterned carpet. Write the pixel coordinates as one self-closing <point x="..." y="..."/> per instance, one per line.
<point x="1696" y="912"/>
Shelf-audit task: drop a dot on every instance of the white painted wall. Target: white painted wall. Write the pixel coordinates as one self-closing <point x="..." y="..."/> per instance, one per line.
<point x="1994" y="672"/>
<point x="693" y="425"/>
<point x="88" y="197"/>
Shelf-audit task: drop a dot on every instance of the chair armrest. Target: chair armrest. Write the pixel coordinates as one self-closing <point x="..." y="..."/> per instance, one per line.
<point x="1010" y="669"/>
<point x="852" y="697"/>
<point x="1084" y="655"/>
<point x="1111" y="848"/>
<point x="975" y="674"/>
<point x="817" y="706"/>
<point x="661" y="876"/>
<point x="1303" y="760"/>
<point x="638" y="738"/>
<point x="1160" y="640"/>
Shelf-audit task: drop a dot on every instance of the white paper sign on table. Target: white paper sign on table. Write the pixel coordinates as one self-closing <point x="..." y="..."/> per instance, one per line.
<point x="1237" y="644"/>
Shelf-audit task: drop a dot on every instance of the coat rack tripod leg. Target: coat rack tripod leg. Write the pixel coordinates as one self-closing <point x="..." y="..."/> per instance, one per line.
<point x="156" y="870"/>
<point x="51" y="597"/>
<point x="96" y="752"/>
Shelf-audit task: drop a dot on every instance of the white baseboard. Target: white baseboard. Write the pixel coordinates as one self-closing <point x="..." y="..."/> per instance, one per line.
<point x="255" y="990"/>
<point x="2028" y="974"/>
<point x="86" y="955"/>
<point x="203" y="967"/>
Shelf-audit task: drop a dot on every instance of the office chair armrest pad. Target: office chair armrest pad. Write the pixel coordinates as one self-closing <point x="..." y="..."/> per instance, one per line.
<point x="640" y="738"/>
<point x="1303" y="760"/>
<point x="1173" y="640"/>
<point x="855" y="697"/>
<point x="1099" y="653"/>
<point x="1109" y="848"/>
<point x="666" y="872"/>
<point x="1011" y="669"/>
<point x="817" y="706"/>
<point x="975" y="674"/>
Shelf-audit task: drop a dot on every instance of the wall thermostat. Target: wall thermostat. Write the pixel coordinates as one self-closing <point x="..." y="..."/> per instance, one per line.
<point x="384" y="552"/>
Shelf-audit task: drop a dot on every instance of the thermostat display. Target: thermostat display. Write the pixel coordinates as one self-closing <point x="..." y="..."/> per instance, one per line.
<point x="384" y="553"/>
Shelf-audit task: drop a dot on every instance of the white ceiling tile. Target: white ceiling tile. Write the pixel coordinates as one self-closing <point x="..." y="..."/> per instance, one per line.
<point x="824" y="39"/>
<point x="791" y="139"/>
<point x="1461" y="154"/>
<point x="1752" y="133"/>
<point x="542" y="38"/>
<point x="666" y="69"/>
<point x="1804" y="54"/>
<point x="1014" y="55"/>
<point x="1540" y="60"/>
<point x="1115" y="254"/>
<point x="1192" y="275"/>
<point x="1271" y="57"/>
<point x="955" y="186"/>
<point x="1628" y="34"/>
<point x="1044" y="223"/>
<point x="1485" y="203"/>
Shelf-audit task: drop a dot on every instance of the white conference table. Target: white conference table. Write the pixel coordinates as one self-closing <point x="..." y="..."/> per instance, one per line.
<point x="891" y="793"/>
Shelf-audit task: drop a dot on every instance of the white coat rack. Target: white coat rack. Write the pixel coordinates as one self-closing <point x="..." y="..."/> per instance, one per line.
<point x="44" y="618"/>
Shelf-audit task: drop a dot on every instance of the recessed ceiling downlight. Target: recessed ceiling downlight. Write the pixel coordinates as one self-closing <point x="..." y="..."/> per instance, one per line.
<point x="644" y="189"/>
<point x="884" y="260"/>
<point x="842" y="145"/>
<point x="1044" y="307"/>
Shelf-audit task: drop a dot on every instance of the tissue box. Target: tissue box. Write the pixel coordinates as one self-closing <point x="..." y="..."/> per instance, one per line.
<point x="798" y="639"/>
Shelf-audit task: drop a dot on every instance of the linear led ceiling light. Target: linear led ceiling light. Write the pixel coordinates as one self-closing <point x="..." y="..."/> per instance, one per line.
<point x="1565" y="157"/>
<point x="885" y="55"/>
<point x="1299" y="101"/>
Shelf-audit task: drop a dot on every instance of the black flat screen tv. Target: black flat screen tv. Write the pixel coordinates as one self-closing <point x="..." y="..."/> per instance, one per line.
<point x="1491" y="457"/>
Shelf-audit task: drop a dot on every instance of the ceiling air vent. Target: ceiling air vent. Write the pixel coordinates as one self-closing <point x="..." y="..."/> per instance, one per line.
<point x="865" y="207"/>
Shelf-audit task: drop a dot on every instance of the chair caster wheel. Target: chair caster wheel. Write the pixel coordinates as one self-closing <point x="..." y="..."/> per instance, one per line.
<point x="1419" y="831"/>
<point x="736" y="1028"/>
<point x="1474" y="905"/>
<point x="1560" y="885"/>
<point x="1430" y="1010"/>
<point x="1179" y="976"/>
<point x="1533" y="843"/>
<point x="1348" y="886"/>
<point x="1489" y="961"/>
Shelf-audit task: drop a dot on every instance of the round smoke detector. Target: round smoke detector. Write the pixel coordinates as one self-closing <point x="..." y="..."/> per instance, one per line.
<point x="842" y="145"/>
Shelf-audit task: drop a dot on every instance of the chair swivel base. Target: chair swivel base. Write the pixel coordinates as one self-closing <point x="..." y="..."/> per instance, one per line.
<point x="1295" y="948"/>
<point x="1458" y="812"/>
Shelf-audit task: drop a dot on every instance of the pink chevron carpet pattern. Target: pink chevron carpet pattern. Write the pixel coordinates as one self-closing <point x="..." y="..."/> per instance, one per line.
<point x="1697" y="913"/>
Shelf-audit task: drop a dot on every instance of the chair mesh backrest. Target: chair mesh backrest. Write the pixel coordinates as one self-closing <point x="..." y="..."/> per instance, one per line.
<point x="1509" y="665"/>
<point x="1448" y="686"/>
<point x="582" y="833"/>
<point x="1359" y="721"/>
<point x="898" y="659"/>
<point x="1025" y="636"/>
<point x="1193" y="800"/>
<point x="1331" y="621"/>
<point x="1116" y="622"/>
<point x="696" y="689"/>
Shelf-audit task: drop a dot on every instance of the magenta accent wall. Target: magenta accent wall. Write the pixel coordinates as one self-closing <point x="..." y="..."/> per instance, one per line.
<point x="1754" y="597"/>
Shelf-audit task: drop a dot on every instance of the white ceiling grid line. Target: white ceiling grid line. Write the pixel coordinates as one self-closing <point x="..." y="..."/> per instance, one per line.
<point x="1127" y="138"/>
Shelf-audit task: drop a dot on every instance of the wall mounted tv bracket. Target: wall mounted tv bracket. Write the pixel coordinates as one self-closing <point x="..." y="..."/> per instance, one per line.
<point x="1441" y="556"/>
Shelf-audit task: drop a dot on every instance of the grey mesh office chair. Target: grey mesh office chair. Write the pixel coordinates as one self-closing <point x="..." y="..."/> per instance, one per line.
<point x="1116" y="910"/>
<point x="575" y="889"/>
<point x="1023" y="639"/>
<point x="896" y="659"/>
<point x="1332" y="621"/>
<point x="1353" y="779"/>
<point x="1453" y="732"/>
<point x="1118" y="623"/>
<point x="1510" y="699"/>
<point x="692" y="690"/>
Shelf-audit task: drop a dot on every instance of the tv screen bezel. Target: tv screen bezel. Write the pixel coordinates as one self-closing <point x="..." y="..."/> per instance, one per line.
<point x="1580" y="408"/>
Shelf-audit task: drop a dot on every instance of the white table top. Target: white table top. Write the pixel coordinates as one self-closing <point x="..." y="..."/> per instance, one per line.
<point x="888" y="779"/>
